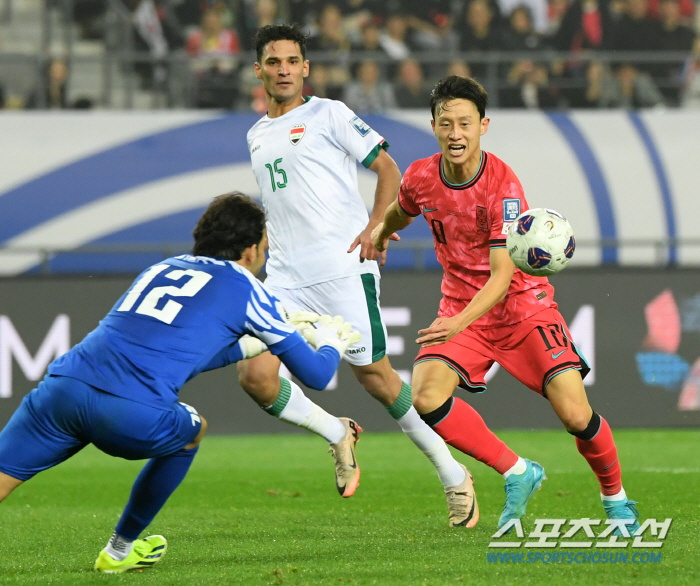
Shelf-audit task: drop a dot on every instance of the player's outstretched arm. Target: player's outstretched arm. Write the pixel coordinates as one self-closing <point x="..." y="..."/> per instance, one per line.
<point x="495" y="289"/>
<point x="388" y="183"/>
<point x="394" y="220"/>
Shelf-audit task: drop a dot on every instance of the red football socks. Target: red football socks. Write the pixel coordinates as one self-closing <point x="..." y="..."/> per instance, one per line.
<point x="464" y="429"/>
<point x="601" y="454"/>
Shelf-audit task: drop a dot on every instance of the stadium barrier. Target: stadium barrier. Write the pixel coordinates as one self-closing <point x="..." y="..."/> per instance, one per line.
<point x="627" y="181"/>
<point x="638" y="329"/>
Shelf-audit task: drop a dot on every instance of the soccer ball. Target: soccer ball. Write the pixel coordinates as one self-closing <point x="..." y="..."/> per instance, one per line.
<point x="540" y="242"/>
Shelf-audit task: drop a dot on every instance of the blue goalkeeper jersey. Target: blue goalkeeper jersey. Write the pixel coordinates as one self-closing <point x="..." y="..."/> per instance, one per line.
<point x="180" y="317"/>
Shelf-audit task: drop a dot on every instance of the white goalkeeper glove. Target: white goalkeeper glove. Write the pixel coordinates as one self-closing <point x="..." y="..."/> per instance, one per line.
<point x="301" y="319"/>
<point x="251" y="346"/>
<point x="330" y="331"/>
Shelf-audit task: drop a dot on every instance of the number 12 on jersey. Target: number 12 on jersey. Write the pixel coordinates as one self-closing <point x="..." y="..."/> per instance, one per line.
<point x="170" y="310"/>
<point x="275" y="169"/>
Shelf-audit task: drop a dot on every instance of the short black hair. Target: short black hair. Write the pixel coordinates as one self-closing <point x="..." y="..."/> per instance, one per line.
<point x="454" y="87"/>
<point x="279" y="32"/>
<point x="231" y="223"/>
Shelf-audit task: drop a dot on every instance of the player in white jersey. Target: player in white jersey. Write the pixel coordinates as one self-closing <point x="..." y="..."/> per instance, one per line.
<point x="304" y="154"/>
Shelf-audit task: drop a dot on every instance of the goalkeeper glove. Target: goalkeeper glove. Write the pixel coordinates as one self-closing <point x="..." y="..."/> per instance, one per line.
<point x="251" y="346"/>
<point x="331" y="331"/>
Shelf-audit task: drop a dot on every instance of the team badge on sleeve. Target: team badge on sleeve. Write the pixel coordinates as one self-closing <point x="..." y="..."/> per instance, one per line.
<point x="297" y="133"/>
<point x="358" y="124"/>
<point x="511" y="209"/>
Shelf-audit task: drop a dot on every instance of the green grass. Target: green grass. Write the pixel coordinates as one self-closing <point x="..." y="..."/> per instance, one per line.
<point x="264" y="510"/>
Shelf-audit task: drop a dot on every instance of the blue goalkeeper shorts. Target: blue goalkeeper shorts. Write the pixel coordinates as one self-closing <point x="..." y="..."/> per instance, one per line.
<point x="63" y="415"/>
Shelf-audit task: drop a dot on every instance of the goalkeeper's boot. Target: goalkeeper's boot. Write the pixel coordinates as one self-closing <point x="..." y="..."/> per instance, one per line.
<point x="145" y="553"/>
<point x="622" y="509"/>
<point x="519" y="489"/>
<point x="461" y="502"/>
<point x="347" y="472"/>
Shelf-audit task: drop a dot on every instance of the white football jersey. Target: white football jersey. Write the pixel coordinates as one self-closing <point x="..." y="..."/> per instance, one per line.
<point x="305" y="165"/>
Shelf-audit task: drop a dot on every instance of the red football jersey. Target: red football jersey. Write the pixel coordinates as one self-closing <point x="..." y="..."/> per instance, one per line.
<point x="467" y="221"/>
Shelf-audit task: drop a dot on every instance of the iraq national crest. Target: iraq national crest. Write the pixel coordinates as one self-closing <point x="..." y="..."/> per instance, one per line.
<point x="297" y="133"/>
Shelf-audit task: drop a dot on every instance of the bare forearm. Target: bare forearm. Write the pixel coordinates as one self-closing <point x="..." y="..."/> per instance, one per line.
<point x="388" y="183"/>
<point x="492" y="293"/>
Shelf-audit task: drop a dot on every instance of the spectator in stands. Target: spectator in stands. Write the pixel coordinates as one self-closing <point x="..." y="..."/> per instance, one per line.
<point x="89" y="15"/>
<point x="306" y="13"/>
<point x="334" y="43"/>
<point x="587" y="24"/>
<point x="318" y="82"/>
<point x="686" y="9"/>
<point x="258" y="13"/>
<point x="54" y="91"/>
<point x="212" y="41"/>
<point x="555" y="13"/>
<point x="529" y="87"/>
<point x="214" y="49"/>
<point x="394" y="39"/>
<point x="538" y="12"/>
<point x="368" y="93"/>
<point x="600" y="90"/>
<point x="673" y="36"/>
<point x="636" y="89"/>
<point x="691" y="77"/>
<point x="431" y="24"/>
<point x="459" y="68"/>
<point x="636" y="32"/>
<point x="481" y="34"/>
<point x="520" y="35"/>
<point x="410" y="89"/>
<point x="150" y="38"/>
<point x="370" y="42"/>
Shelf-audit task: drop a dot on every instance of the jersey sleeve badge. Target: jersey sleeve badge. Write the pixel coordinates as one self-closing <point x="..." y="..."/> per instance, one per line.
<point x="362" y="128"/>
<point x="297" y="133"/>
<point x="511" y="209"/>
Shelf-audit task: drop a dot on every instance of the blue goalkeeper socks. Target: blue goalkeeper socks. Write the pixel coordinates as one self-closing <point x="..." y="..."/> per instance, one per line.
<point x="154" y="485"/>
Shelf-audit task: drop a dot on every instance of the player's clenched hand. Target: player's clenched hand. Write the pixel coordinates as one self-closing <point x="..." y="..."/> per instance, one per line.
<point x="440" y="331"/>
<point x="331" y="331"/>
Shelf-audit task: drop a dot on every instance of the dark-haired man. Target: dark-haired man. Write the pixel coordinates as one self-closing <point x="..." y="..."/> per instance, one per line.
<point x="118" y="388"/>
<point x="304" y="154"/>
<point x="491" y="311"/>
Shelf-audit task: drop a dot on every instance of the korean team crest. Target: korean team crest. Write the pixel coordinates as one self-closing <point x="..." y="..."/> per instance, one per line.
<point x="297" y="133"/>
<point x="482" y="223"/>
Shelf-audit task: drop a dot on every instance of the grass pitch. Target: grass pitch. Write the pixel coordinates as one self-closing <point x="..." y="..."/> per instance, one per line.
<point x="264" y="510"/>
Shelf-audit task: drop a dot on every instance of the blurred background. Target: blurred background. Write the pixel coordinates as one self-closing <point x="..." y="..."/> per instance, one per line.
<point x="121" y="119"/>
<point x="376" y="55"/>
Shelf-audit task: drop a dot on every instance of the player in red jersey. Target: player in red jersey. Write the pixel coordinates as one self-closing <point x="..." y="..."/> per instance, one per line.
<point x="491" y="311"/>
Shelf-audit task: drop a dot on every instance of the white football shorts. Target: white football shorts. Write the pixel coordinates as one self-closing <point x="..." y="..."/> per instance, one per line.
<point x="356" y="299"/>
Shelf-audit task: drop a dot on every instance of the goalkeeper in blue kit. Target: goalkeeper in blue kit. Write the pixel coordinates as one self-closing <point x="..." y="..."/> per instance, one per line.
<point x="118" y="389"/>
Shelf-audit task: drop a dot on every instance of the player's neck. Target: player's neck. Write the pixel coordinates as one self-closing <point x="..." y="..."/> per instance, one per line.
<point x="459" y="174"/>
<point x="276" y="109"/>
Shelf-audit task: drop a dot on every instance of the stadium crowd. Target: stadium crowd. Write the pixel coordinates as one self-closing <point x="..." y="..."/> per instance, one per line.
<point x="376" y="55"/>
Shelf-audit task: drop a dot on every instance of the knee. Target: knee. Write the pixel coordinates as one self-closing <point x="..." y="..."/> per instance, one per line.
<point x="576" y="421"/>
<point x="257" y="382"/>
<point x="425" y="401"/>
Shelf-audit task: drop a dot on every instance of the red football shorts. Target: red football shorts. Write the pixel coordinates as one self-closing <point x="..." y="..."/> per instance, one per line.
<point x="533" y="351"/>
